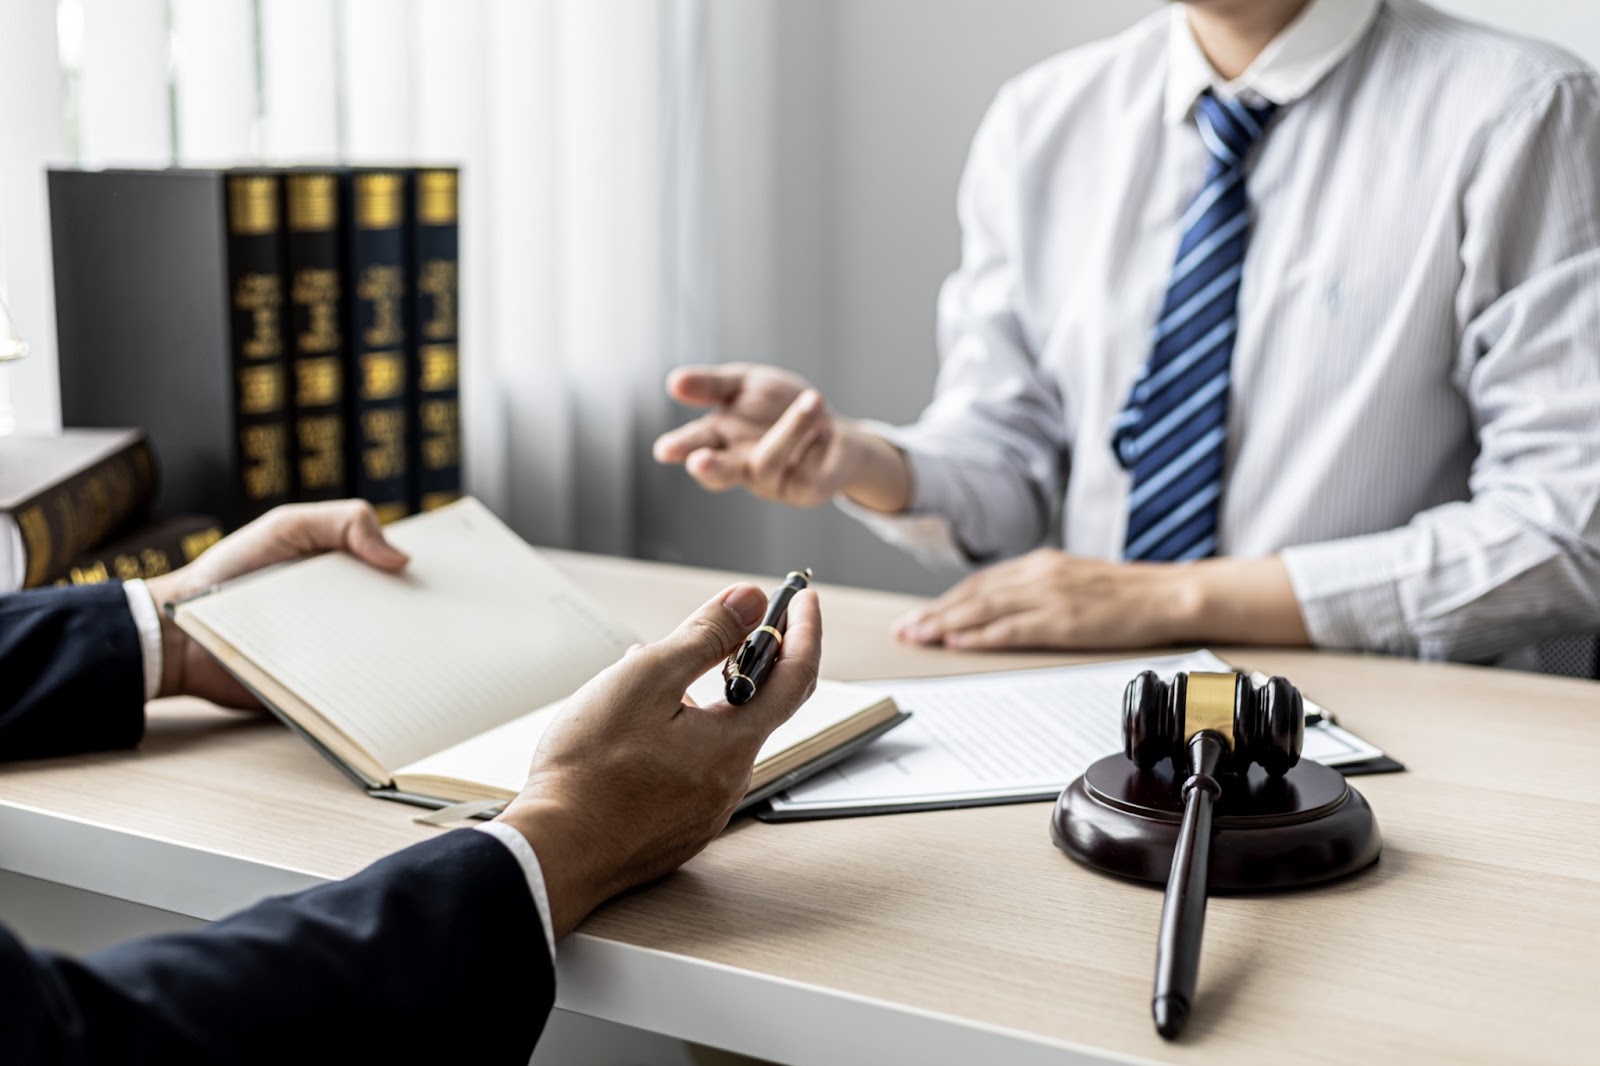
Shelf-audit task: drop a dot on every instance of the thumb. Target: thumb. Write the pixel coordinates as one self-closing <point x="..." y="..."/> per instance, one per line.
<point x="706" y="637"/>
<point x="363" y="538"/>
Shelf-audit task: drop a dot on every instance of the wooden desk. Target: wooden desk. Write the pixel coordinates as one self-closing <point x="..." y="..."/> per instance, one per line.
<point x="963" y="936"/>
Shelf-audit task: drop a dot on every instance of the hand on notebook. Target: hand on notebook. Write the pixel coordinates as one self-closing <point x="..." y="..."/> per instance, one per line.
<point x="1049" y="599"/>
<point x="774" y="435"/>
<point x="631" y="779"/>
<point x="281" y="534"/>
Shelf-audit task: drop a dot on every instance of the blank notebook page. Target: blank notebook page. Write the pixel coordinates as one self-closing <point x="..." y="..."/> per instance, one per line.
<point x="476" y="631"/>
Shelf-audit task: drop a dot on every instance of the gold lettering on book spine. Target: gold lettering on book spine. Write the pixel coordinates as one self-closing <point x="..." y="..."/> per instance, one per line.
<point x="317" y="382"/>
<point x="436" y="281"/>
<point x="437" y="199"/>
<point x="266" y="467"/>
<point x="313" y="203"/>
<point x="321" y="451"/>
<point x="383" y="287"/>
<point x="261" y="296"/>
<point x="439" y="370"/>
<point x="317" y="292"/>
<point x="441" y="446"/>
<point x="260" y="389"/>
<point x="388" y="512"/>
<point x="384" y="434"/>
<point x="383" y="375"/>
<point x="432" y="501"/>
<point x="253" y="204"/>
<point x="87" y="575"/>
<point x="380" y="200"/>
<point x="195" y="543"/>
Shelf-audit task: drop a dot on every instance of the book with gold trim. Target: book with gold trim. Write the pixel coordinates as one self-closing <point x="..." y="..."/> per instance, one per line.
<point x="434" y="685"/>
<point x="378" y="430"/>
<point x="315" y="324"/>
<point x="169" y="292"/>
<point x="434" y="364"/>
<point x="149" y="551"/>
<point x="63" y="494"/>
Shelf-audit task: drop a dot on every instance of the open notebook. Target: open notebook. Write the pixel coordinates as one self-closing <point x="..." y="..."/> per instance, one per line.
<point x="435" y="685"/>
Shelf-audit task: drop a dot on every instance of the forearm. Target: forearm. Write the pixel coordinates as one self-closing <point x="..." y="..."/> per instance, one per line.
<point x="1467" y="581"/>
<point x="1238" y="601"/>
<point x="395" y="964"/>
<point x="71" y="672"/>
<point x="881" y="475"/>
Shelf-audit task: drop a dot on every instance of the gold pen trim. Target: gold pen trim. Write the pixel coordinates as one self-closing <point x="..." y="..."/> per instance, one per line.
<point x="773" y="630"/>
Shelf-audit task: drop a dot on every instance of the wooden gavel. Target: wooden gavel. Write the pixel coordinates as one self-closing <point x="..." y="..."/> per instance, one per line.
<point x="1213" y="727"/>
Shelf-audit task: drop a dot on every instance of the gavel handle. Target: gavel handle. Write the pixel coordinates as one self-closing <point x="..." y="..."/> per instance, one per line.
<point x="1183" y="912"/>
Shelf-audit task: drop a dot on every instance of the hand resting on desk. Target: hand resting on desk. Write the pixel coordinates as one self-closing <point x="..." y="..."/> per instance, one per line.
<point x="1049" y="599"/>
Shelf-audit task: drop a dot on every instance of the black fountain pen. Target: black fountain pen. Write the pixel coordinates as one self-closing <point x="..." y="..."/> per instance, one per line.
<point x="746" y="669"/>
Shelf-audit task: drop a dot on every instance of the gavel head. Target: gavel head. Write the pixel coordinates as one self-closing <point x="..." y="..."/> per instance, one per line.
<point x="1263" y="725"/>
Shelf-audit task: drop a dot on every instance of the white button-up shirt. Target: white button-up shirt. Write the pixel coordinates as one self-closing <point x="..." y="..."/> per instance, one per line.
<point x="1414" y="422"/>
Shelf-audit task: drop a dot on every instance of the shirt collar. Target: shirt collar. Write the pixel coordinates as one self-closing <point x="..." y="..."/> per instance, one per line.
<point x="1288" y="68"/>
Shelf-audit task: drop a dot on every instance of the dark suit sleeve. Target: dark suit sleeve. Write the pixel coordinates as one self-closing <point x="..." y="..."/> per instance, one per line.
<point x="435" y="954"/>
<point x="71" y="672"/>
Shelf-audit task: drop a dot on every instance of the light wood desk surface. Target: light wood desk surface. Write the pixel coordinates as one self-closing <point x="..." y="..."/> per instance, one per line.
<point x="944" y="936"/>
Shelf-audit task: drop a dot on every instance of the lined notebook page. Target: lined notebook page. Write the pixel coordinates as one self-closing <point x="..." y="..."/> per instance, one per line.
<point x="499" y="759"/>
<point x="478" y="629"/>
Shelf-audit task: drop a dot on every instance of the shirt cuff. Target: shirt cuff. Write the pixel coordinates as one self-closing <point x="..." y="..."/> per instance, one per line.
<point x="147" y="620"/>
<point x="1349" y="595"/>
<point x="523" y="852"/>
<point x="922" y="529"/>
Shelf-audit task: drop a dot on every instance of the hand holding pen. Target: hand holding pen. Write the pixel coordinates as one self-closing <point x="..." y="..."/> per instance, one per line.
<point x="748" y="667"/>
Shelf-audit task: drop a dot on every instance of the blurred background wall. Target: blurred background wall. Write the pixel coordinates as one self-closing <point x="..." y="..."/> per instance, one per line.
<point x="646" y="183"/>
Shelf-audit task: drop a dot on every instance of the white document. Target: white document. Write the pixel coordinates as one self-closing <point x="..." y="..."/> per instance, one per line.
<point x="1020" y="735"/>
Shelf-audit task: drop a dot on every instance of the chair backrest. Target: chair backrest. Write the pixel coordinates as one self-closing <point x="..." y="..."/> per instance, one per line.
<point x="1574" y="656"/>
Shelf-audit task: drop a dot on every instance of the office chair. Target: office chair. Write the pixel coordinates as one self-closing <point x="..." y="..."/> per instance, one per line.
<point x="1577" y="655"/>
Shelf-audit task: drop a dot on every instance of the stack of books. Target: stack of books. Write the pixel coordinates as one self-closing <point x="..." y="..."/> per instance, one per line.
<point x="283" y="334"/>
<point x="74" y="509"/>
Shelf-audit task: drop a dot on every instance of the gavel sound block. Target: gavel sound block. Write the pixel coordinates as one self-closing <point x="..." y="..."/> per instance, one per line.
<point x="1210" y="795"/>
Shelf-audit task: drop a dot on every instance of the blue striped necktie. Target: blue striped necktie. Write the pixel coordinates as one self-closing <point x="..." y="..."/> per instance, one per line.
<point x="1171" y="433"/>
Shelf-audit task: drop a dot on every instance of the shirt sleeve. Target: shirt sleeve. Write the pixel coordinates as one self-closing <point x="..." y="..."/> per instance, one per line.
<point x="1519" y="562"/>
<point x="987" y="456"/>
<point x="147" y="620"/>
<point x="523" y="852"/>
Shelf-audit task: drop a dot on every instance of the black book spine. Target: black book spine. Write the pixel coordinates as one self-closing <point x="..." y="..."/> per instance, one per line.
<point x="378" y="429"/>
<point x="316" y="340"/>
<point x="435" y="363"/>
<point x="256" y="310"/>
<point x="69" y="518"/>
<point x="147" y="552"/>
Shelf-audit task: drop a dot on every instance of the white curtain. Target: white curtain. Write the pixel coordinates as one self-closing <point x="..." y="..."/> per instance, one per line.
<point x="558" y="113"/>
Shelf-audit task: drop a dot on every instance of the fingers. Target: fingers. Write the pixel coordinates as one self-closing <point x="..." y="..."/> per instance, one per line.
<point x="781" y="447"/>
<point x="296" y="530"/>
<point x="1027" y="629"/>
<point x="676" y="445"/>
<point x="363" y="538"/>
<point x="915" y="626"/>
<point x="717" y="469"/>
<point x="979" y="608"/>
<point x="794" y="676"/>
<point x="706" y="386"/>
<point x="705" y="638"/>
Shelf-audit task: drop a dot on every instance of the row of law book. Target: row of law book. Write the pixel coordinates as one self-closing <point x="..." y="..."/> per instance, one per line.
<point x="284" y="334"/>
<point x="75" y="509"/>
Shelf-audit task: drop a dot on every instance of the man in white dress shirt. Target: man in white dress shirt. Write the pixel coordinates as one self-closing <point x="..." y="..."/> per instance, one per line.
<point x="1279" y="321"/>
